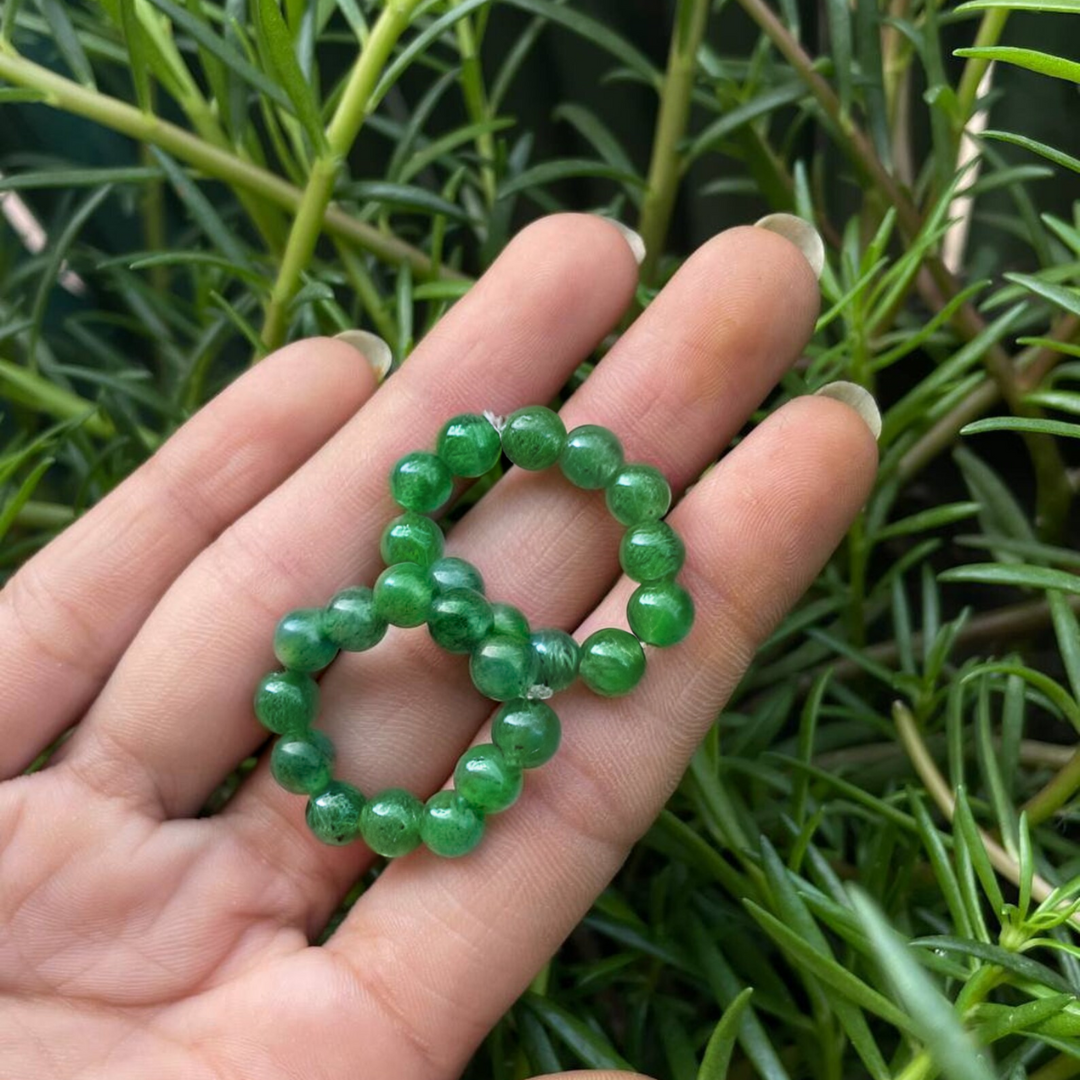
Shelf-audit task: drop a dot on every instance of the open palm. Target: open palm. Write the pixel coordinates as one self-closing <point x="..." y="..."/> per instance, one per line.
<point x="137" y="940"/>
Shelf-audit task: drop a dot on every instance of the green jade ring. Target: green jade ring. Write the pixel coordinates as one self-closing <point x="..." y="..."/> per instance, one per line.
<point x="508" y="661"/>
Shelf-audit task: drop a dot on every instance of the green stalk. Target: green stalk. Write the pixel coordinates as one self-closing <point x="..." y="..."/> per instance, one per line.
<point x="1061" y="787"/>
<point x="340" y="136"/>
<point x="476" y="103"/>
<point x="212" y="161"/>
<point x="665" y="166"/>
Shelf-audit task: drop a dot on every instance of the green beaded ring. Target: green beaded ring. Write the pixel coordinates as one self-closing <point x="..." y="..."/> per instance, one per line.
<point x="509" y="662"/>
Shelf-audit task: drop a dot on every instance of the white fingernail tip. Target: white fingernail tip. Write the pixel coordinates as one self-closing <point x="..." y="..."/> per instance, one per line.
<point x="855" y="397"/>
<point x="372" y="348"/>
<point x="633" y="239"/>
<point x="801" y="233"/>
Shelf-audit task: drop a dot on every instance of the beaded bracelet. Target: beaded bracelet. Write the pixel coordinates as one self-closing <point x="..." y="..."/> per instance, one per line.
<point x="508" y="661"/>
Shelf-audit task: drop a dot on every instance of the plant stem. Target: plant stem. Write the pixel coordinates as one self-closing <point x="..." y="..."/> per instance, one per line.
<point x="1056" y="793"/>
<point x="340" y="136"/>
<point x="472" y="88"/>
<point x="665" y="165"/>
<point x="990" y="30"/>
<point x="212" y="161"/>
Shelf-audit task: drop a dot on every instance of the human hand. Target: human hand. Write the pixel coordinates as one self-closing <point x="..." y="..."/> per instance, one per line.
<point x="138" y="941"/>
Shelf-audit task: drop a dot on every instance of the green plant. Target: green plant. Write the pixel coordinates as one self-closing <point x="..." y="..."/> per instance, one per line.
<point x="899" y="758"/>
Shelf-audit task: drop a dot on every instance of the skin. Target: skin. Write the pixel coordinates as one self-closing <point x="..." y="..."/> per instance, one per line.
<point x="132" y="933"/>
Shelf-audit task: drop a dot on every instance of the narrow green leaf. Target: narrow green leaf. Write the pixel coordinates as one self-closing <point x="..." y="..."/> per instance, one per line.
<point x="997" y="1021"/>
<point x="550" y="172"/>
<point x="404" y="197"/>
<point x="1067" y="632"/>
<point x="930" y="1015"/>
<point x="868" y="24"/>
<point x="828" y="971"/>
<point x="70" y="178"/>
<point x="1069" y="7"/>
<point x="10" y="510"/>
<point x="203" y="212"/>
<point x="714" y="1065"/>
<point x="1058" y="157"/>
<point x="591" y="1049"/>
<point x="1026" y="861"/>
<point x="1027" y="969"/>
<point x="135" y="40"/>
<point x="276" y="43"/>
<point x="66" y="38"/>
<point x="733" y="119"/>
<point x="1061" y="295"/>
<point x="838" y="13"/>
<point x="1029" y="59"/>
<point x="1029" y="577"/>
<point x="42" y="395"/>
<point x="219" y="47"/>
<point x="597" y="134"/>
<point x="934" y="518"/>
<point x="941" y="865"/>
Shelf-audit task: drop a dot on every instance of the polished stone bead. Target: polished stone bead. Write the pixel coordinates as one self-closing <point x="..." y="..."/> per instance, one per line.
<point x="324" y="743"/>
<point x="411" y="538"/>
<point x="533" y="437"/>
<point x="486" y="780"/>
<point x="638" y="493"/>
<point x="652" y="551"/>
<point x="527" y="732"/>
<point x="592" y="456"/>
<point x="660" y="613"/>
<point x="510" y="622"/>
<point x="351" y="621"/>
<point x="612" y="662"/>
<point x="300" y="643"/>
<point x="421" y="481"/>
<point x="557" y="656"/>
<point x="469" y="444"/>
<point x="403" y="594"/>
<point x="503" y="667"/>
<point x="334" y="814"/>
<point x="452" y="573"/>
<point x="450" y="826"/>
<point x="286" y="701"/>
<point x="390" y="822"/>
<point x="459" y="620"/>
<point x="300" y="765"/>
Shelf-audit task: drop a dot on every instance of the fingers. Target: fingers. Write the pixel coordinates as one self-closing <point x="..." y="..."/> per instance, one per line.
<point x="69" y="613"/>
<point x="179" y="703"/>
<point x="757" y="530"/>
<point x="679" y="384"/>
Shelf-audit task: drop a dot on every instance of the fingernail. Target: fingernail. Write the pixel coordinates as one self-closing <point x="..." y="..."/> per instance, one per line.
<point x="372" y="348"/>
<point x="801" y="233"/>
<point x="855" y="397"/>
<point x="637" y="245"/>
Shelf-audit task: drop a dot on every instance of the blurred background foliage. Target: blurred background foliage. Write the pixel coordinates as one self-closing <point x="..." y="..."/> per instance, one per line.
<point x="870" y="868"/>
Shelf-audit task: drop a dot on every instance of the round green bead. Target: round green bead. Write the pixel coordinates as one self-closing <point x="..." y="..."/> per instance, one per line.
<point x="299" y="641"/>
<point x="591" y="457"/>
<point x="403" y="594"/>
<point x="334" y="814"/>
<point x="660" y="613"/>
<point x="299" y="765"/>
<point x="421" y="481"/>
<point x="390" y="822"/>
<point x="527" y="732"/>
<point x="510" y="622"/>
<point x="324" y="743"/>
<point x="652" y="551"/>
<point x="533" y="437"/>
<point x="459" y="620"/>
<point x="450" y="826"/>
<point x="638" y="493"/>
<point x="557" y="656"/>
<point x="351" y="621"/>
<point x="411" y="538"/>
<point x="452" y="573"/>
<point x="469" y="444"/>
<point x="503" y="667"/>
<point x="486" y="780"/>
<point x="612" y="662"/>
<point x="286" y="701"/>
